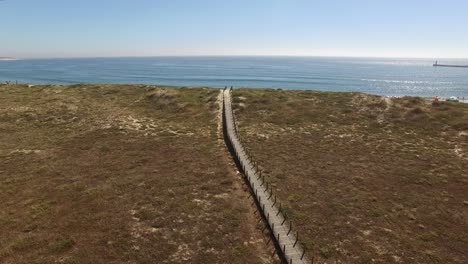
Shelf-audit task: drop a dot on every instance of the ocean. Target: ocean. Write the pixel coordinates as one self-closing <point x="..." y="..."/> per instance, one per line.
<point x="390" y="77"/>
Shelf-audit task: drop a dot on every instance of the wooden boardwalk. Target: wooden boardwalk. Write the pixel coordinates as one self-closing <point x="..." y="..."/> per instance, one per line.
<point x="286" y="238"/>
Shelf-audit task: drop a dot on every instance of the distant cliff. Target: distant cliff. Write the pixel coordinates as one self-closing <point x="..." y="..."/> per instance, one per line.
<point x="6" y="58"/>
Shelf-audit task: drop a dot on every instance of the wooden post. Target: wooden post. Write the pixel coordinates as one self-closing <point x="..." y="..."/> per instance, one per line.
<point x="297" y="238"/>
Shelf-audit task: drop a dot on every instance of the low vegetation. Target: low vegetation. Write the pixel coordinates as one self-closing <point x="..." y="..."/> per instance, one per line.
<point x="365" y="179"/>
<point x="139" y="174"/>
<point x="119" y="174"/>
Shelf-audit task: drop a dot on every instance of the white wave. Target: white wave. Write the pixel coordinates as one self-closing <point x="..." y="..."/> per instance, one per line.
<point x="404" y="82"/>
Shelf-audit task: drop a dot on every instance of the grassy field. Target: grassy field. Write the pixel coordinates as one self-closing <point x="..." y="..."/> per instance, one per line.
<point x="364" y="179"/>
<point x="119" y="174"/>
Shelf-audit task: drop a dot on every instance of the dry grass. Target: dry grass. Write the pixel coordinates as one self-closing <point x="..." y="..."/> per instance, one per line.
<point x="365" y="179"/>
<point x="119" y="174"/>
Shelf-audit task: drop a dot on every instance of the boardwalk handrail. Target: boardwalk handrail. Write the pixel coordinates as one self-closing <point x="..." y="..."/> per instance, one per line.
<point x="289" y="249"/>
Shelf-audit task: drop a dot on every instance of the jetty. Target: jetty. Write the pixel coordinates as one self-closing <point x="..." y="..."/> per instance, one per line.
<point x="436" y="64"/>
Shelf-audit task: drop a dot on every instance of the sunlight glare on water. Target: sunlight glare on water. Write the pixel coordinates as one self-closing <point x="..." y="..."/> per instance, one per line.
<point x="393" y="77"/>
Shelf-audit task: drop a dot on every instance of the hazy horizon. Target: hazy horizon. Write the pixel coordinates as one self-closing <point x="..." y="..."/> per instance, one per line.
<point x="236" y="55"/>
<point x="248" y="55"/>
<point x="331" y="55"/>
<point x="370" y="29"/>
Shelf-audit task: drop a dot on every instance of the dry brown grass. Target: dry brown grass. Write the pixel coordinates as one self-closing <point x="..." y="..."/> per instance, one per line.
<point x="365" y="179"/>
<point x="119" y="174"/>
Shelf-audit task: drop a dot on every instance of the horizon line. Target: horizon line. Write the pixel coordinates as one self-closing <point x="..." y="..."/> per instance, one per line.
<point x="241" y="55"/>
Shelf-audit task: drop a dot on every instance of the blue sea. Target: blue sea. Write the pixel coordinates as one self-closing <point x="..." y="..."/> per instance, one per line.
<point x="391" y="77"/>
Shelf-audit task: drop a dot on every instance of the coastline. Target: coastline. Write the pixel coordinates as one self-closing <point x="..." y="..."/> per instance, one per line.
<point x="383" y="77"/>
<point x="461" y="99"/>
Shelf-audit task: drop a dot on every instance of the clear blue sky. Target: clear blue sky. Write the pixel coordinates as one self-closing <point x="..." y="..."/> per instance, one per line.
<point x="84" y="28"/>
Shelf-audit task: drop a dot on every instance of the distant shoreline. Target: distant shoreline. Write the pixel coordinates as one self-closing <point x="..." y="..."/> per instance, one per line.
<point x="7" y="59"/>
